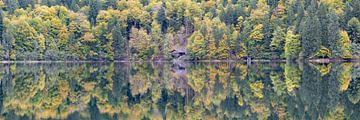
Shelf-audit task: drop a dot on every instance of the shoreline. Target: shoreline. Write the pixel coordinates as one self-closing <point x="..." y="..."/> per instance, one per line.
<point x="187" y="61"/>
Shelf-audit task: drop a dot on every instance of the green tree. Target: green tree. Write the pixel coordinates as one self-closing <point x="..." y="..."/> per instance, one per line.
<point x="347" y="14"/>
<point x="353" y="28"/>
<point x="310" y="32"/>
<point x="277" y="42"/>
<point x="94" y="11"/>
<point x="9" y="43"/>
<point x="324" y="20"/>
<point x="332" y="40"/>
<point x="162" y="20"/>
<point x="197" y="46"/>
<point x="256" y="43"/>
<point x="292" y="46"/>
<point x="345" y="44"/>
<point x="11" y="5"/>
<point x="119" y="45"/>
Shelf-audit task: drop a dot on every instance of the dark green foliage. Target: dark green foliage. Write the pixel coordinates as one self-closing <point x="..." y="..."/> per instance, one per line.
<point x="111" y="3"/>
<point x="162" y="20"/>
<point x="310" y="32"/>
<point x="347" y="14"/>
<point x="94" y="11"/>
<point x="118" y="43"/>
<point x="324" y="23"/>
<point x="11" y="5"/>
<point x="353" y="28"/>
<point x="356" y="8"/>
<point x="333" y="38"/>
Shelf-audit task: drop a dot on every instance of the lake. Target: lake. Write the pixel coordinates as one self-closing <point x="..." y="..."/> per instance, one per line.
<point x="183" y="91"/>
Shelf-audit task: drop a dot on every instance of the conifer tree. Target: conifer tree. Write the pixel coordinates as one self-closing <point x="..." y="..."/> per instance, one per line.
<point x="94" y="11"/>
<point x="309" y="30"/>
<point x="162" y="20"/>
<point x="353" y="28"/>
<point x="334" y="34"/>
<point x="11" y="5"/>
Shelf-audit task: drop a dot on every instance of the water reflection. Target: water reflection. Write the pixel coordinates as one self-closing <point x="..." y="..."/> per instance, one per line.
<point x="191" y="91"/>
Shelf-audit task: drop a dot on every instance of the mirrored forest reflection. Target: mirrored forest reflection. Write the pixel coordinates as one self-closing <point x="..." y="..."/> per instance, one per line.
<point x="188" y="91"/>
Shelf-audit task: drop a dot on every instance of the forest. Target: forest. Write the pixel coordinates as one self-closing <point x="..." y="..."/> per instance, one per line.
<point x="147" y="30"/>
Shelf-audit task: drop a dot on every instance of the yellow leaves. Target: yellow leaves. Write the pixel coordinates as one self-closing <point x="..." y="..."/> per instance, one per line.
<point x="257" y="88"/>
<point x="292" y="44"/>
<point x="197" y="45"/>
<point x="257" y="34"/>
<point x="63" y="35"/>
<point x="196" y="80"/>
<point x="279" y="85"/>
<point x="259" y="14"/>
<point x="140" y="41"/>
<point x="345" y="76"/>
<point x="336" y="114"/>
<point x="323" y="53"/>
<point x="44" y="12"/>
<point x="88" y="37"/>
<point x="323" y="69"/>
<point x="41" y="41"/>
<point x="336" y="5"/>
<point x="292" y="77"/>
<point x="345" y="45"/>
<point x="103" y="16"/>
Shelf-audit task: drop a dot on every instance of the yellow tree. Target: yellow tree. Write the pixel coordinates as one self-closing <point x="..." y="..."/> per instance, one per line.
<point x="345" y="45"/>
<point x="139" y="44"/>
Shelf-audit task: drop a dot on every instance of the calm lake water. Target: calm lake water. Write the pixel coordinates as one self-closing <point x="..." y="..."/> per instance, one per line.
<point x="189" y="91"/>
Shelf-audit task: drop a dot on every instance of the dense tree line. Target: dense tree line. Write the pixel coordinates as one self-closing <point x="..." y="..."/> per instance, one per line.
<point x="153" y="29"/>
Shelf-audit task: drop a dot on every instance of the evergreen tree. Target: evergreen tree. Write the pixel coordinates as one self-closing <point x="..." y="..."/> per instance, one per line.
<point x="309" y="30"/>
<point x="8" y="43"/>
<point x="256" y="43"/>
<point x="356" y="8"/>
<point x="94" y="11"/>
<point x="1" y="27"/>
<point x="324" y="21"/>
<point x="353" y="28"/>
<point x="23" y="3"/>
<point x="162" y="20"/>
<point x="111" y="3"/>
<point x="278" y="41"/>
<point x="347" y="14"/>
<point x="74" y="5"/>
<point x="333" y="37"/>
<point x="292" y="46"/>
<point x="11" y="5"/>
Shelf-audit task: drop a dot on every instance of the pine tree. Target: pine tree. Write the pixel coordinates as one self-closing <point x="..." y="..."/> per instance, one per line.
<point x="347" y="14"/>
<point x="356" y="8"/>
<point x="310" y="35"/>
<point x="256" y="43"/>
<point x="11" y="5"/>
<point x="111" y="3"/>
<point x="333" y="37"/>
<point x="324" y="21"/>
<point x="94" y="11"/>
<point x="292" y="46"/>
<point x="278" y="41"/>
<point x="1" y="27"/>
<point x="353" y="28"/>
<point x="2" y="43"/>
<point x="162" y="20"/>
<point x="9" y="43"/>
<point x="119" y="45"/>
